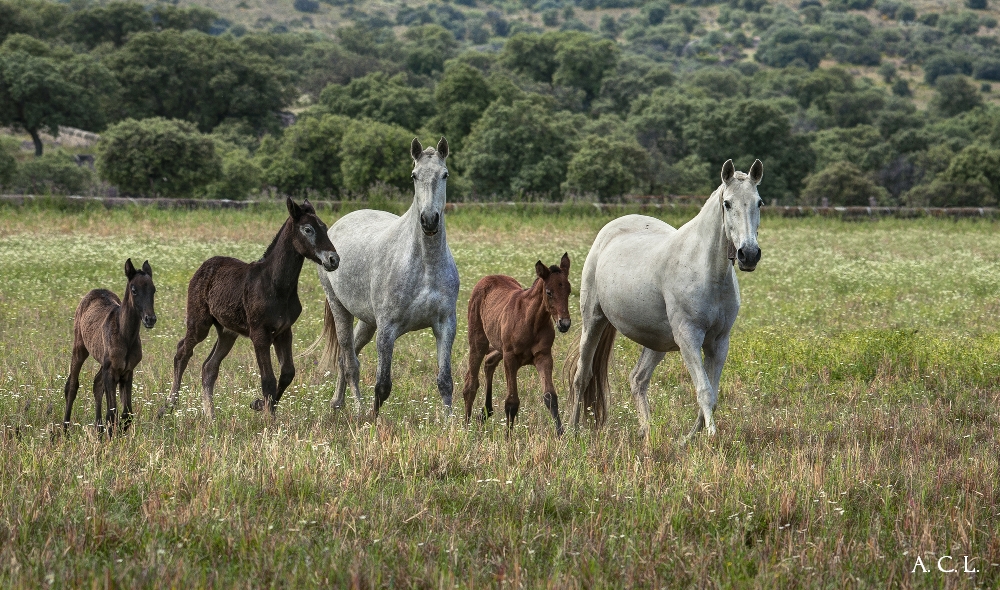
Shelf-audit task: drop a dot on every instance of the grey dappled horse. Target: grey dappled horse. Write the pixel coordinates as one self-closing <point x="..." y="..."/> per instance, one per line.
<point x="396" y="275"/>
<point x="667" y="289"/>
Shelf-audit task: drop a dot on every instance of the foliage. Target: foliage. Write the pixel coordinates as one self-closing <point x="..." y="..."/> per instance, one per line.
<point x="374" y="152"/>
<point x="518" y="148"/>
<point x="53" y="173"/>
<point x="955" y="95"/>
<point x="157" y="157"/>
<point x="307" y="156"/>
<point x="607" y="167"/>
<point x="460" y="96"/>
<point x="198" y="78"/>
<point x="841" y="183"/>
<point x="8" y="160"/>
<point x="381" y="98"/>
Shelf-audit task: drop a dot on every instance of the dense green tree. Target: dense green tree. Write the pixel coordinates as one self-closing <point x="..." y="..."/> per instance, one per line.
<point x="240" y="173"/>
<point x="841" y="183"/>
<point x="607" y="167"/>
<point x="461" y="96"/>
<point x="632" y="77"/>
<point x="113" y="23"/>
<point x="307" y="156"/>
<point x="517" y="148"/>
<point x="570" y="58"/>
<point x="979" y="165"/>
<point x="199" y="78"/>
<point x="8" y="160"/>
<point x="955" y="95"/>
<point x="428" y="47"/>
<point x="157" y="157"/>
<point x="53" y="173"/>
<point x="37" y="18"/>
<point x="373" y="152"/>
<point x="35" y="92"/>
<point x="845" y="145"/>
<point x="381" y="98"/>
<point x="789" y="46"/>
<point x="169" y="16"/>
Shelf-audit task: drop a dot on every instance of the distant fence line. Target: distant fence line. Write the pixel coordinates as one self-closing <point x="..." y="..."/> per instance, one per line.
<point x="679" y="203"/>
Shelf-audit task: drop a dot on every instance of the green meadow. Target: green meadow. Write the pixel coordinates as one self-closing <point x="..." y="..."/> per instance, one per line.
<point x="858" y="427"/>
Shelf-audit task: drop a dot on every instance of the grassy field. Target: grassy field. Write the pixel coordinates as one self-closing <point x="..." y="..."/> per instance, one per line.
<point x="858" y="428"/>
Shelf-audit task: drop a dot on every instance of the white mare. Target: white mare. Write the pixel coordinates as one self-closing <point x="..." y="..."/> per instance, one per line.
<point x="667" y="289"/>
<point x="396" y="275"/>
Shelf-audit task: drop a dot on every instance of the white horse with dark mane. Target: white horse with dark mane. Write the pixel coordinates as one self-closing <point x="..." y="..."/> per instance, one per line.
<point x="396" y="275"/>
<point x="667" y="289"/>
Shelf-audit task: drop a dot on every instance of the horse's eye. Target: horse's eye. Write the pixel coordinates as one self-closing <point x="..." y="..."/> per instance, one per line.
<point x="413" y="175"/>
<point x="309" y="230"/>
<point x="727" y="205"/>
<point x="548" y="292"/>
<point x="760" y="203"/>
<point x="134" y="292"/>
<point x="445" y="175"/>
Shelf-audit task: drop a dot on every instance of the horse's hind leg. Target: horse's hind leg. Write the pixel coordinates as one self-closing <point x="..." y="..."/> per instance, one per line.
<point x="98" y="401"/>
<point x="80" y="354"/>
<point x="349" y="369"/>
<point x="268" y="383"/>
<point x="489" y="369"/>
<point x="639" y="380"/>
<point x="210" y="369"/>
<point x="476" y="353"/>
<point x="111" y="380"/>
<point x="513" y="402"/>
<point x="197" y="330"/>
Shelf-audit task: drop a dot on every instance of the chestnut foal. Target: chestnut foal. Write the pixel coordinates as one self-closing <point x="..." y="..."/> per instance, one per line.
<point x="514" y="325"/>
<point x="108" y="328"/>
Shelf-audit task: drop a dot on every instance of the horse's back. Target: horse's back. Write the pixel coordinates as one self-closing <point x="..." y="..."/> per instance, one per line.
<point x="218" y="287"/>
<point x="491" y="293"/>
<point x="93" y="313"/>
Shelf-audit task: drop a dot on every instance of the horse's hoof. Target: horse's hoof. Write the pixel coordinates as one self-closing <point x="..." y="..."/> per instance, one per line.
<point x="257" y="405"/>
<point x="560" y="430"/>
<point x="337" y="405"/>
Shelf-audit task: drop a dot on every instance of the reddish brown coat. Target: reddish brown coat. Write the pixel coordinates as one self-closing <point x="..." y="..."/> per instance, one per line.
<point x="514" y="325"/>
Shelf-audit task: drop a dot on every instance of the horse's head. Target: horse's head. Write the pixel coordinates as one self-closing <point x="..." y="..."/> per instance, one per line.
<point x="140" y="291"/>
<point x="310" y="238"/>
<point x="430" y="179"/>
<point x="741" y="212"/>
<point x="557" y="290"/>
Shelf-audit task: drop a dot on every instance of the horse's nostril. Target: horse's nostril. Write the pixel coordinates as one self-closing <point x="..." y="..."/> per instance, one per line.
<point x="741" y="255"/>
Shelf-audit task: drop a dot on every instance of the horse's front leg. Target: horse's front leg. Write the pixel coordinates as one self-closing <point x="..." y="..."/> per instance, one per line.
<point x="111" y="378"/>
<point x="690" y="340"/>
<point x="283" y="350"/>
<point x="543" y="364"/>
<point x="513" y="403"/>
<point x="444" y="333"/>
<point x="385" y="341"/>
<point x="125" y="388"/>
<point x="268" y="384"/>
<point x="715" y="357"/>
<point x="639" y="380"/>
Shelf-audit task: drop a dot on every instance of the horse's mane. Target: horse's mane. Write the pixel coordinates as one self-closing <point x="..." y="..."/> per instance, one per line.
<point x="274" y="242"/>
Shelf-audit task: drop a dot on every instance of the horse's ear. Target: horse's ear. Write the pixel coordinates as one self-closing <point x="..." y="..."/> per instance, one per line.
<point x="442" y="148"/>
<point x="129" y="269"/>
<point x="416" y="149"/>
<point x="564" y="263"/>
<point x="147" y="269"/>
<point x="307" y="207"/>
<point x="293" y="208"/>
<point x="757" y="172"/>
<point x="541" y="270"/>
<point x="728" y="172"/>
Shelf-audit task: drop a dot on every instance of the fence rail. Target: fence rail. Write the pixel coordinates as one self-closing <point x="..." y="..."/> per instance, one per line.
<point x="670" y="204"/>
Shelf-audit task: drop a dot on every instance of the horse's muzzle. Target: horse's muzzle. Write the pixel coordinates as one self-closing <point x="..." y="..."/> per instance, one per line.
<point x="748" y="257"/>
<point x="330" y="261"/>
<point x="564" y="325"/>
<point x="149" y="320"/>
<point x="429" y="223"/>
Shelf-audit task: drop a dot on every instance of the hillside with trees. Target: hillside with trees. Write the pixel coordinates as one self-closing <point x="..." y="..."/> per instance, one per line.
<point x="845" y="101"/>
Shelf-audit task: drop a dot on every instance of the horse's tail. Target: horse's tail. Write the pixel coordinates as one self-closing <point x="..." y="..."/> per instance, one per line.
<point x="328" y="337"/>
<point x="597" y="390"/>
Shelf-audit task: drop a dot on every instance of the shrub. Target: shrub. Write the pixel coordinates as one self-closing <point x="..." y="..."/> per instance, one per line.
<point x="157" y="157"/>
<point x="987" y="69"/>
<point x="241" y="175"/>
<point x="55" y="172"/>
<point x="606" y="167"/>
<point x="8" y="162"/>
<point x="841" y="183"/>
<point x="374" y="152"/>
<point x="955" y="95"/>
<point x="306" y="5"/>
<point x="306" y="158"/>
<point x="906" y="13"/>
<point x="977" y="4"/>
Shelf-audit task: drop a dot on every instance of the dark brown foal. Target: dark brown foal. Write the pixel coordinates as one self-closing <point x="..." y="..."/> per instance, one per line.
<point x="107" y="328"/>
<point x="259" y="300"/>
<point x="514" y="325"/>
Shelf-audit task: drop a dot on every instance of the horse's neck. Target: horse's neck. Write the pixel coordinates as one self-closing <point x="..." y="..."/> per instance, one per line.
<point x="284" y="263"/>
<point x="534" y="298"/>
<point x="705" y="238"/>
<point x="431" y="250"/>
<point x="128" y="317"/>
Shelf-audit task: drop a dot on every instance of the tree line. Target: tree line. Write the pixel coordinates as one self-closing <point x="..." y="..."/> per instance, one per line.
<point x="650" y="102"/>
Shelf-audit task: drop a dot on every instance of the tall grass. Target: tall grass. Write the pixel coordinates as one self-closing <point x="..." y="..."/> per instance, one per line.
<point x="857" y="428"/>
